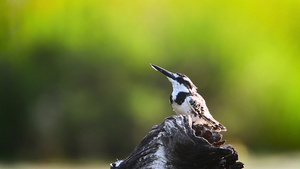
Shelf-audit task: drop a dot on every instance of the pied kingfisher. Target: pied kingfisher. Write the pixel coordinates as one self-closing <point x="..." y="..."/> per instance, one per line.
<point x="186" y="101"/>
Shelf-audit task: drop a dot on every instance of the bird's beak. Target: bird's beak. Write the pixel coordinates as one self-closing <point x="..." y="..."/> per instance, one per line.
<point x="163" y="71"/>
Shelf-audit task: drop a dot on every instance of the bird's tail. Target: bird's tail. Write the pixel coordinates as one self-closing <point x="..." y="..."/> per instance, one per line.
<point x="212" y="123"/>
<point x="220" y="127"/>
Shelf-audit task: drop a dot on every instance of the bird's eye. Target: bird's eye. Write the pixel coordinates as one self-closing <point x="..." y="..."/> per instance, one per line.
<point x="180" y="80"/>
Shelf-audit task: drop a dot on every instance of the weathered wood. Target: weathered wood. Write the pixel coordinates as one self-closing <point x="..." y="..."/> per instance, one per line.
<point x="178" y="144"/>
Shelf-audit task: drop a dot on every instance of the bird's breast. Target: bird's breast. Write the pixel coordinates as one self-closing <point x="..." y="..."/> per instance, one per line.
<point x="184" y="108"/>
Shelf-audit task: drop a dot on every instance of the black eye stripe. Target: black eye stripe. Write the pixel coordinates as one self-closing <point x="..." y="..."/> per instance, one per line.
<point x="180" y="80"/>
<point x="184" y="82"/>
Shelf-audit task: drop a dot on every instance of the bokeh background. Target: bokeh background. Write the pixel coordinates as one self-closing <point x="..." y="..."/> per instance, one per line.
<point x="76" y="84"/>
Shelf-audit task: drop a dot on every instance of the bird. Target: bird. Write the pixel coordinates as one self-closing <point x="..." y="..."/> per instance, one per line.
<point x="185" y="100"/>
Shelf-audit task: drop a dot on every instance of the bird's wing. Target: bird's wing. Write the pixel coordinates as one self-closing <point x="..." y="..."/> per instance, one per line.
<point x="199" y="108"/>
<point x="197" y="104"/>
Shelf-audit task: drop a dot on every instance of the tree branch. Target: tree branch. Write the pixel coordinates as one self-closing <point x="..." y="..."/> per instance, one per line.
<point x="178" y="144"/>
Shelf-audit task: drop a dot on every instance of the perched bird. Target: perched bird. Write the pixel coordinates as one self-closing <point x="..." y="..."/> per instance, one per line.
<point x="186" y="101"/>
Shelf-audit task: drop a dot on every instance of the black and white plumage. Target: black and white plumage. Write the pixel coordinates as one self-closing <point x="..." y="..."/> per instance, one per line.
<point x="186" y="101"/>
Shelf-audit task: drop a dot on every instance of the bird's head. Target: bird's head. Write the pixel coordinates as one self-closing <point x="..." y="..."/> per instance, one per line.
<point x="180" y="82"/>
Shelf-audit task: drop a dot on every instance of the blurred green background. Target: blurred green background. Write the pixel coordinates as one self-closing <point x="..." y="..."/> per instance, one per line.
<point x="75" y="79"/>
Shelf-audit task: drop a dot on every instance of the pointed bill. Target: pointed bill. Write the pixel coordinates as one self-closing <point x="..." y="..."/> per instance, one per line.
<point x="163" y="71"/>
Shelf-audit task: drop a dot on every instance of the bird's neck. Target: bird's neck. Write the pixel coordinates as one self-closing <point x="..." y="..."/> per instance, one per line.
<point x="177" y="88"/>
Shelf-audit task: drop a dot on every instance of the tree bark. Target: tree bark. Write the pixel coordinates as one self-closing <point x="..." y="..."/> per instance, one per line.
<point x="177" y="144"/>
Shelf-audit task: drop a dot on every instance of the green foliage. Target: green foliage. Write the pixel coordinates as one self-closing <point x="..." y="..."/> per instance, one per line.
<point x="76" y="80"/>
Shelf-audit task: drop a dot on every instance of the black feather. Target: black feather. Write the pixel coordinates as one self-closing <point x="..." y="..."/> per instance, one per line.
<point x="181" y="97"/>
